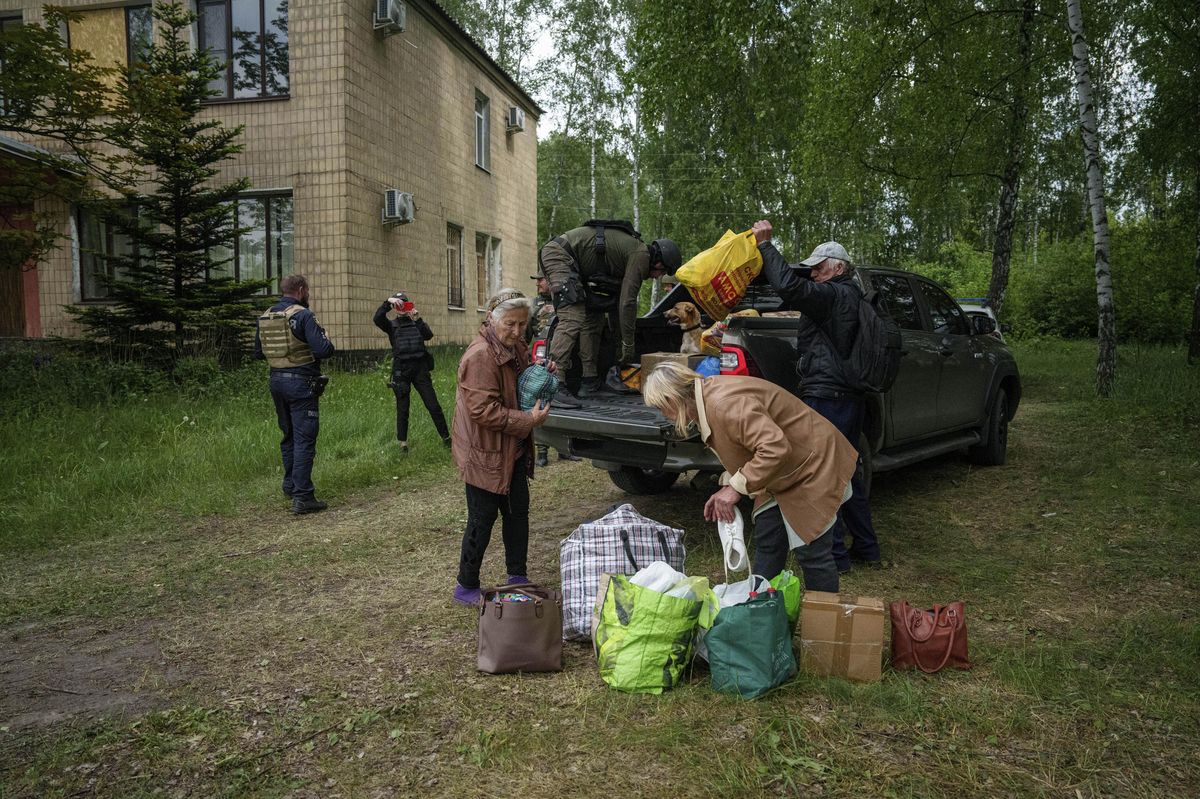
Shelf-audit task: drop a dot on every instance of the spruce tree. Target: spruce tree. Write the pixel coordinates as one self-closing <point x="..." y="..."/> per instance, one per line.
<point x="170" y="295"/>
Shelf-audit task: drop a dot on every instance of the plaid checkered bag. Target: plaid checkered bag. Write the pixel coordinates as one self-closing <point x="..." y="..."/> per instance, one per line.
<point x="622" y="542"/>
<point x="535" y="383"/>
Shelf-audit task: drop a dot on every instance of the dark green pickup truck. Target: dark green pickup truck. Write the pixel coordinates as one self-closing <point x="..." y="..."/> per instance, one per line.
<point x="957" y="389"/>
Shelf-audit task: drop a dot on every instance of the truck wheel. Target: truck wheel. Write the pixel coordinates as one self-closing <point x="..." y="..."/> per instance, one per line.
<point x="994" y="450"/>
<point x="643" y="481"/>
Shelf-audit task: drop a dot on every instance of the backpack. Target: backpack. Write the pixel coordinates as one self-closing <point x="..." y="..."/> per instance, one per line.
<point x="875" y="355"/>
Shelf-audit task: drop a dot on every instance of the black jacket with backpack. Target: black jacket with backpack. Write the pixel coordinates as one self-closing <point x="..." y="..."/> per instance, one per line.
<point x="831" y="307"/>
<point x="408" y="337"/>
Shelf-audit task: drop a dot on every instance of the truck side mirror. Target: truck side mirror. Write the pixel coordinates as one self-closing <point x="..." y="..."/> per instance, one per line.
<point x="982" y="325"/>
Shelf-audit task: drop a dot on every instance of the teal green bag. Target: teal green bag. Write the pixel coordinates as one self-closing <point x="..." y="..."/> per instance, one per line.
<point x="643" y="638"/>
<point x="788" y="584"/>
<point x="750" y="646"/>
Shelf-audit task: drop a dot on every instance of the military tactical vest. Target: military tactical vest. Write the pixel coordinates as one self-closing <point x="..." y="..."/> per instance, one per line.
<point x="282" y="349"/>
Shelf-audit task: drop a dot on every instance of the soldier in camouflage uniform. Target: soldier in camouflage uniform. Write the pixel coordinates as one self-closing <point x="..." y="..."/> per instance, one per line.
<point x="542" y="326"/>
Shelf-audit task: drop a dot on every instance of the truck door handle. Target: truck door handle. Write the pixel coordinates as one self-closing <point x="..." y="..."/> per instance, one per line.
<point x="903" y="353"/>
<point x="945" y="352"/>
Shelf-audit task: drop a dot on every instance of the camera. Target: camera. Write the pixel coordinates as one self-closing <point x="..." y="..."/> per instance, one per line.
<point x="400" y="302"/>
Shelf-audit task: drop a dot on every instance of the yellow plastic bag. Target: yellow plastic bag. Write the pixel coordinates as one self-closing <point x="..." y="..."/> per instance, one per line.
<point x="717" y="277"/>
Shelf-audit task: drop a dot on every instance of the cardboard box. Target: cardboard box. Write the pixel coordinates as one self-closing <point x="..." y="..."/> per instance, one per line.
<point x="653" y="359"/>
<point x="841" y="636"/>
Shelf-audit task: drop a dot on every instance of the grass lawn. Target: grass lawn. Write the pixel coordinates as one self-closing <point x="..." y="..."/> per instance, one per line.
<point x="168" y="629"/>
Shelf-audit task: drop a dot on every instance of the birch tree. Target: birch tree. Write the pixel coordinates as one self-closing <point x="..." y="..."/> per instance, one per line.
<point x="1106" y="328"/>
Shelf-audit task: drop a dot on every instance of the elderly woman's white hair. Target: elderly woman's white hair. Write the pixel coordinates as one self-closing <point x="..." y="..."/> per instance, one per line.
<point x="670" y="388"/>
<point x="506" y="301"/>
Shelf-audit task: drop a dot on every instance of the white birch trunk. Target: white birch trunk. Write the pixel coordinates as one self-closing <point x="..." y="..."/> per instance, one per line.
<point x="1194" y="344"/>
<point x="1106" y="360"/>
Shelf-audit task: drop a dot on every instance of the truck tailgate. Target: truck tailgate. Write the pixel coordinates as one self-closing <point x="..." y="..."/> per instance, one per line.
<point x="613" y="416"/>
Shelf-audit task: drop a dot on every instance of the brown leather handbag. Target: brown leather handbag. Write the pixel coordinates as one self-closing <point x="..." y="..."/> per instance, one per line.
<point x="521" y="635"/>
<point x="929" y="640"/>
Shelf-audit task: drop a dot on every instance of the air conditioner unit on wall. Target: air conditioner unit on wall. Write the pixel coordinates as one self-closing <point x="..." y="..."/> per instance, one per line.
<point x="390" y="16"/>
<point x="398" y="208"/>
<point x="515" y="119"/>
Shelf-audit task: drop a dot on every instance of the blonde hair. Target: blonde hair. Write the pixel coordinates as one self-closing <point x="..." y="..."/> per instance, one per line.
<point x="669" y="388"/>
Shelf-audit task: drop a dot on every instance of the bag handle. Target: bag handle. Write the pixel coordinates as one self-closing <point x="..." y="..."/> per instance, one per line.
<point x="662" y="542"/>
<point x="629" y="551"/>
<point x="515" y="588"/>
<point x="954" y="628"/>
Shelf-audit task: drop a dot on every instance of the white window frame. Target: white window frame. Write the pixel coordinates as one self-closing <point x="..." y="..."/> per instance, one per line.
<point x="483" y="132"/>
<point x="493" y="269"/>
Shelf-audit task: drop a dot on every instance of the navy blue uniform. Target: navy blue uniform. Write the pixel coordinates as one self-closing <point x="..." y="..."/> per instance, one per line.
<point x="296" y="393"/>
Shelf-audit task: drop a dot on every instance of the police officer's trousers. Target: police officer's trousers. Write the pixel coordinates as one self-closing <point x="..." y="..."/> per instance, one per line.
<point x="296" y="407"/>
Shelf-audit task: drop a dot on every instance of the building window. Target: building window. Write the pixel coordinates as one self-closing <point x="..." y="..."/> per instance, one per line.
<point x="102" y="246"/>
<point x="487" y="267"/>
<point x="139" y="33"/>
<point x="483" y="132"/>
<point x="454" y="267"/>
<point x="249" y="38"/>
<point x="264" y="249"/>
<point x="7" y="23"/>
<point x="113" y="35"/>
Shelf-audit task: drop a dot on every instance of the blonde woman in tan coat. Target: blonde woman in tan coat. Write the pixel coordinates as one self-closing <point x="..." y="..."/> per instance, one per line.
<point x="492" y="441"/>
<point x="795" y="464"/>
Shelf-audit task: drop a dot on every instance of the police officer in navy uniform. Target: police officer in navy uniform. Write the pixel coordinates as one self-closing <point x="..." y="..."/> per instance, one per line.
<point x="291" y="341"/>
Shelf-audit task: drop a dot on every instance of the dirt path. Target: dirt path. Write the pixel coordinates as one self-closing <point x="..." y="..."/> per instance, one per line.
<point x="250" y="581"/>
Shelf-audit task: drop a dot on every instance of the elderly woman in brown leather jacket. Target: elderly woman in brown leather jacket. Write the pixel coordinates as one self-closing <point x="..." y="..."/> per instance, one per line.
<point x="493" y="441"/>
<point x="795" y="464"/>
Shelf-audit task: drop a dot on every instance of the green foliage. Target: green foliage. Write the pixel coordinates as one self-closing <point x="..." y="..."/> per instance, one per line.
<point x="41" y="381"/>
<point x="47" y="89"/>
<point x="51" y="89"/>
<point x="959" y="268"/>
<point x="138" y="445"/>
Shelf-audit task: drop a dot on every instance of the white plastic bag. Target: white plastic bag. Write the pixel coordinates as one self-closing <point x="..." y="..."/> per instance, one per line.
<point x="736" y="593"/>
<point x="657" y="576"/>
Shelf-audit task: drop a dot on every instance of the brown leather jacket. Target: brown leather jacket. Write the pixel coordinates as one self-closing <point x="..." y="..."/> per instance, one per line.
<point x="488" y="427"/>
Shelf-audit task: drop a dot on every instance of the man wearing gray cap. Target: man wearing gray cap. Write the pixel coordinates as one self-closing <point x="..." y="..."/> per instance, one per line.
<point x="828" y="297"/>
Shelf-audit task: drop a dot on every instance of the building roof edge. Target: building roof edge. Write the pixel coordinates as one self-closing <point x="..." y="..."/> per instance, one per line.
<point x="442" y="19"/>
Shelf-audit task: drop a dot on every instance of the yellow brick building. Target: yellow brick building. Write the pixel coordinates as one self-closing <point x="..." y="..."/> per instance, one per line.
<point x="340" y="103"/>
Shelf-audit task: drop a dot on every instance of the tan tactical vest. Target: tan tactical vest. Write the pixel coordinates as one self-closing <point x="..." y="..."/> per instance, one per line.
<point x="281" y="348"/>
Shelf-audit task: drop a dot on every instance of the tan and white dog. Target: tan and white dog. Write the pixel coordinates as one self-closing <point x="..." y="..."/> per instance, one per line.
<point x="687" y="317"/>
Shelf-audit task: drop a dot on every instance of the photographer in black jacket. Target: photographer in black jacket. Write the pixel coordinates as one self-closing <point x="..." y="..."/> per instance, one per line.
<point x="411" y="363"/>
<point x="828" y="297"/>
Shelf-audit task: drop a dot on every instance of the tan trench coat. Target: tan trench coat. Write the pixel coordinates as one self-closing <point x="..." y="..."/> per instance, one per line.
<point x="488" y="428"/>
<point x="773" y="445"/>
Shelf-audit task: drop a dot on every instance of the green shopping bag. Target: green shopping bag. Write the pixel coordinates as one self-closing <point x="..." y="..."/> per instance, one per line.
<point x="750" y="646"/>
<point x="789" y="585"/>
<point x="643" y="638"/>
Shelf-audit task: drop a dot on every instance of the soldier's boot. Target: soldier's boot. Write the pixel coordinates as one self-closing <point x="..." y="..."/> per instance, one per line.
<point x="590" y="387"/>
